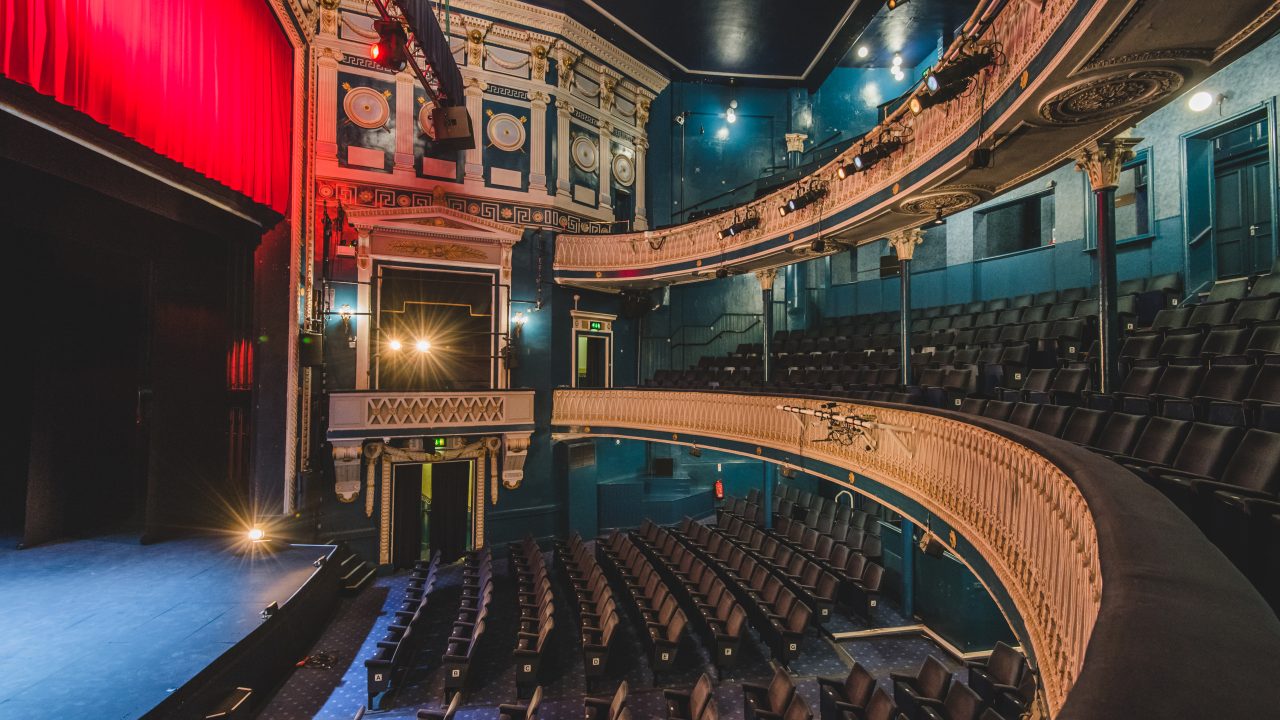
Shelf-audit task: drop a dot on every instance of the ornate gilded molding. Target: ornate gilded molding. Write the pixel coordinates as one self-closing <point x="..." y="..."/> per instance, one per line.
<point x="373" y="413"/>
<point x="1018" y="510"/>
<point x="904" y="242"/>
<point x="1110" y="95"/>
<point x="947" y="200"/>
<point x="766" y="277"/>
<point x="1104" y="159"/>
<point x="795" y="141"/>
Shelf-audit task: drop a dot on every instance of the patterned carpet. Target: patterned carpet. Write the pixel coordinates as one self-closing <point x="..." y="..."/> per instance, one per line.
<point x="339" y="693"/>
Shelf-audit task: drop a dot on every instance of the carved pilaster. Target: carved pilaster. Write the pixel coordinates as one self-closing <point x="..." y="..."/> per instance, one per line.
<point x="474" y="92"/>
<point x="904" y="242"/>
<point x="563" y="109"/>
<point x="405" y="122"/>
<point x="565" y="66"/>
<point x="329" y="19"/>
<point x="327" y="103"/>
<point x="475" y="47"/>
<point x="642" y="209"/>
<point x="766" y="277"/>
<point x="364" y="305"/>
<point x="605" y="168"/>
<point x="795" y="141"/>
<point x="1104" y="159"/>
<point x="538" y="141"/>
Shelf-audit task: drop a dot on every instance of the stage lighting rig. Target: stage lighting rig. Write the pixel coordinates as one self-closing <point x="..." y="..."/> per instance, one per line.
<point x="953" y="77"/>
<point x="804" y="198"/>
<point x="750" y="222"/>
<point x="874" y="152"/>
<point x="389" y="51"/>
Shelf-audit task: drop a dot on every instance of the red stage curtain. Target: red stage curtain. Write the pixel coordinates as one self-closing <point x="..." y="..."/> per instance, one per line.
<point x="207" y="83"/>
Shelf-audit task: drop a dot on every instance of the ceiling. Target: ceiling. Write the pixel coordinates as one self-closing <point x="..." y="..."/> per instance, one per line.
<point x="769" y="42"/>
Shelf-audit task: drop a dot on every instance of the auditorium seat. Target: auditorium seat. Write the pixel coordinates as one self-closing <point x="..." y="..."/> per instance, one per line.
<point x="768" y="701"/>
<point x="1119" y="433"/>
<point x="1000" y="672"/>
<point x="607" y="708"/>
<point x="961" y="703"/>
<point x="446" y="713"/>
<point x="927" y="687"/>
<point x="997" y="409"/>
<point x="1251" y="469"/>
<point x="1203" y="451"/>
<point x="691" y="704"/>
<point x="1227" y="382"/>
<point x="527" y="711"/>
<point x="1052" y="419"/>
<point x="845" y="696"/>
<point x="1259" y="406"/>
<point x="1084" y="426"/>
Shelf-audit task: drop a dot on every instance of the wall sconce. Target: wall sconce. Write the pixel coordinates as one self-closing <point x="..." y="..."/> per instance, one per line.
<point x="510" y="351"/>
<point x="345" y="312"/>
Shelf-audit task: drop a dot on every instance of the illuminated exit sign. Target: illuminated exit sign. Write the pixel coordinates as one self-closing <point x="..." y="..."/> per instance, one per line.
<point x="439" y="442"/>
<point x="597" y="325"/>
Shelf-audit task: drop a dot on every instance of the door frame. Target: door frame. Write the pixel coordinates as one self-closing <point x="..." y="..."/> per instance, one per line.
<point x="472" y="497"/>
<point x="1266" y="109"/>
<point x="582" y="325"/>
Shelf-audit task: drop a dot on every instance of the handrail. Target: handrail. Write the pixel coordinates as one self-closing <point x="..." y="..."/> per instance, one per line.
<point x="711" y="326"/>
<point x="1118" y="593"/>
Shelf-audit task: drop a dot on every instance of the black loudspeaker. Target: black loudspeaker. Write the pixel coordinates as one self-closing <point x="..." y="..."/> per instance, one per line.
<point x="664" y="467"/>
<point x="635" y="304"/>
<point x="453" y="129"/>
<point x="980" y="158"/>
<point x="310" y="349"/>
<point x="889" y="266"/>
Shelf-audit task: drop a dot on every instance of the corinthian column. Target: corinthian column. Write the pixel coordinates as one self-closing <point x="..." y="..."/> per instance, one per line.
<point x="766" y="278"/>
<point x="474" y="92"/>
<point x="562" y="149"/>
<point x="538" y="141"/>
<point x="904" y="243"/>
<point x="1103" y="160"/>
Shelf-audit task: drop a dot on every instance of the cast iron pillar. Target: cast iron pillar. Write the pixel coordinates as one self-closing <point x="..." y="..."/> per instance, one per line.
<point x="908" y="568"/>
<point x="766" y="278"/>
<point x="904" y="243"/>
<point x="1103" y="160"/>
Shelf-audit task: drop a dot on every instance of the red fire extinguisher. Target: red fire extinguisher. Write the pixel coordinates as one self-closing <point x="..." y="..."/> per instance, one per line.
<point x="719" y="489"/>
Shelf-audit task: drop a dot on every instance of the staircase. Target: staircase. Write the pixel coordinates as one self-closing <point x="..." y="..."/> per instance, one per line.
<point x="356" y="574"/>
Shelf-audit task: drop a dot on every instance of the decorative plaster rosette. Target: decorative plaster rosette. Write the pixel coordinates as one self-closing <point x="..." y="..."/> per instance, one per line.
<point x="947" y="200"/>
<point x="425" y="124"/>
<point x="366" y="108"/>
<point x="1110" y="95"/>
<point x="585" y="153"/>
<point x="506" y="132"/>
<point x="624" y="170"/>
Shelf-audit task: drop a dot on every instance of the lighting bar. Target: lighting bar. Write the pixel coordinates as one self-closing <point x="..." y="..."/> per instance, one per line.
<point x="802" y="200"/>
<point x="875" y="153"/>
<point x="958" y="70"/>
<point x="740" y="226"/>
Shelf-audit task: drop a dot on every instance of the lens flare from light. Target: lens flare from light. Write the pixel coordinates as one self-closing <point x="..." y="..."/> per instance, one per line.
<point x="864" y="51"/>
<point x="256" y="534"/>
<point x="395" y="345"/>
<point x="422" y="346"/>
<point x="1200" y="101"/>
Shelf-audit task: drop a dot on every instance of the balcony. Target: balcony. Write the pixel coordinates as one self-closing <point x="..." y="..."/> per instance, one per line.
<point x="373" y="413"/>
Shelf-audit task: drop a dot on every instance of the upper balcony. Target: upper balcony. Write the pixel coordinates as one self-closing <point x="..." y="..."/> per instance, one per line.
<point x="1052" y="90"/>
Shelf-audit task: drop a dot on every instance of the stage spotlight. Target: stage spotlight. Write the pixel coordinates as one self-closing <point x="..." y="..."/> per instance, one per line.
<point x="802" y="200"/>
<point x="895" y="4"/>
<point x="256" y="535"/>
<point x="388" y="51"/>
<point x="395" y="345"/>
<point x="422" y="346"/>
<point x="922" y="101"/>
<point x="818" y="246"/>
<point x="958" y="71"/>
<point x="751" y="222"/>
<point x="845" y="171"/>
<point x="875" y="153"/>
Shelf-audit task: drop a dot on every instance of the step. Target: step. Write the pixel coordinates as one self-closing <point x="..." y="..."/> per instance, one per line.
<point x="363" y="579"/>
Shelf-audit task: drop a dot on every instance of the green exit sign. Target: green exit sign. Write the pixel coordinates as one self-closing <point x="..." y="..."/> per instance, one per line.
<point x="439" y="442"/>
<point x="597" y="325"/>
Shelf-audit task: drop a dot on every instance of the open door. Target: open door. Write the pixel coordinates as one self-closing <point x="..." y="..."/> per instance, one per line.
<point x="449" y="518"/>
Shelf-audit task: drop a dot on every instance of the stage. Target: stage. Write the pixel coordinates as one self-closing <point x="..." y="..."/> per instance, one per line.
<point x="109" y="628"/>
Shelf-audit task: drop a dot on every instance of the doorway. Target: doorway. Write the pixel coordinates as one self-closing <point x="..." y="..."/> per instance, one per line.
<point x="1242" y="201"/>
<point x="591" y="369"/>
<point x="432" y="511"/>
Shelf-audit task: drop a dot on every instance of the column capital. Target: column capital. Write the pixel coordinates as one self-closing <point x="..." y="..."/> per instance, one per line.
<point x="766" y="277"/>
<point x="564" y="106"/>
<point x="537" y="97"/>
<point x="795" y="141"/>
<point x="642" y="143"/>
<point x="904" y="242"/>
<point x="1104" y="159"/>
<point x="475" y="86"/>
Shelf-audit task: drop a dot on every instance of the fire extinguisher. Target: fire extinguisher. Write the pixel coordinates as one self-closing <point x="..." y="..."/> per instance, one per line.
<point x="719" y="489"/>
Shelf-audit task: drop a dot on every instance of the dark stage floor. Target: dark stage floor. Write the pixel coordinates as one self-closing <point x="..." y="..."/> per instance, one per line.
<point x="107" y="628"/>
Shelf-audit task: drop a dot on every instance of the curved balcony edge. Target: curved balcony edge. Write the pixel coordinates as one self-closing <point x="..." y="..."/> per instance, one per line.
<point x="1117" y="595"/>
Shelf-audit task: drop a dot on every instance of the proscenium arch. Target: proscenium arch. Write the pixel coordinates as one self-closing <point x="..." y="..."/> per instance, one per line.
<point x="909" y="509"/>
